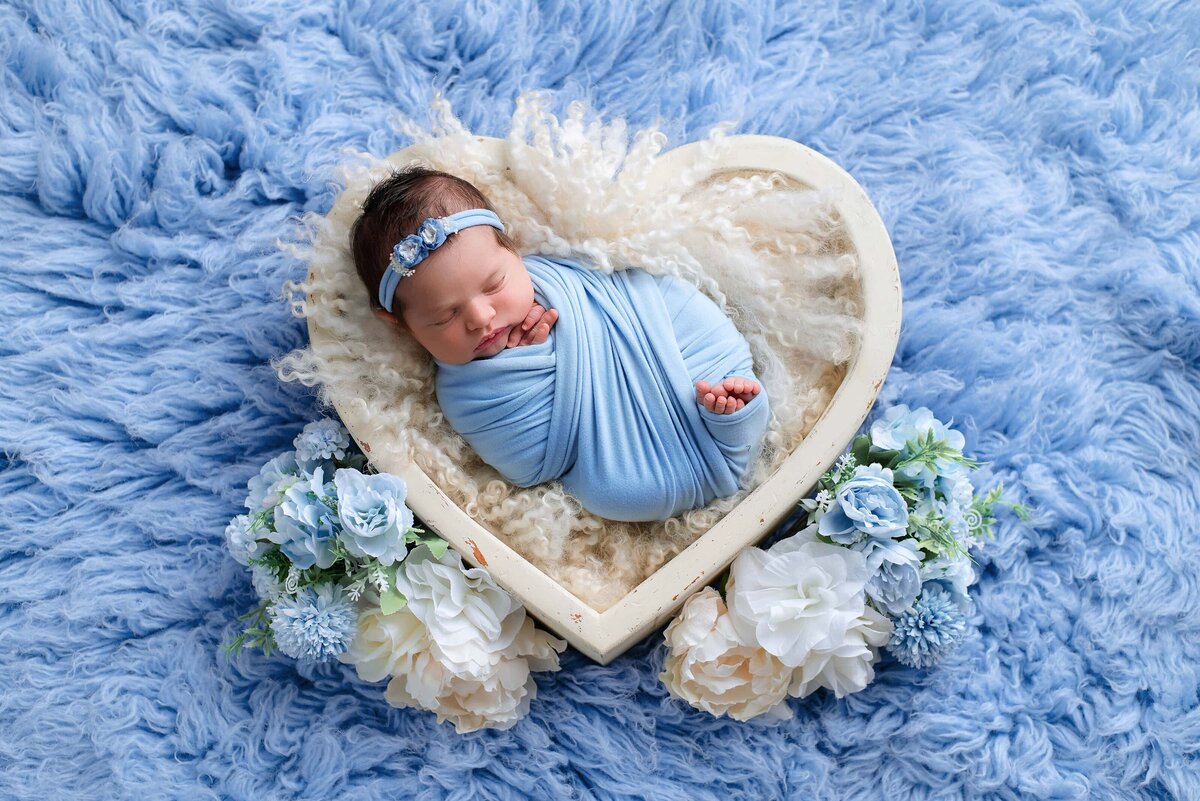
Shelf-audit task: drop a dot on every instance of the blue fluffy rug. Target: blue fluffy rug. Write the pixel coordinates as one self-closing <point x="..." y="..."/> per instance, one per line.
<point x="1036" y="165"/>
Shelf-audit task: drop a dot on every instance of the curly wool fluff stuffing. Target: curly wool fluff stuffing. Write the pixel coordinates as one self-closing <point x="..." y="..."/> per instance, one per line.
<point x="770" y="251"/>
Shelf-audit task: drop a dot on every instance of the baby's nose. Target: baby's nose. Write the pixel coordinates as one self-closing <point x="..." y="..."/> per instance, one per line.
<point x="481" y="314"/>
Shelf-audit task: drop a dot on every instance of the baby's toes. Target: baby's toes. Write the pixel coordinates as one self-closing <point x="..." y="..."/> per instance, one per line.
<point x="709" y="401"/>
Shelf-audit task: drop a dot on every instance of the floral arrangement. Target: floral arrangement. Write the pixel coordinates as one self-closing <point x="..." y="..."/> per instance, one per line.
<point x="344" y="573"/>
<point x="882" y="561"/>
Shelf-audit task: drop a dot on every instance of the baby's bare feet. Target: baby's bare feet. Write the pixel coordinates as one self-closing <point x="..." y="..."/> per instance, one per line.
<point x="728" y="396"/>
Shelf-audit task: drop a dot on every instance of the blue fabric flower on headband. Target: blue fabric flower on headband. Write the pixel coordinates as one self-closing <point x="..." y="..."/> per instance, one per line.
<point x="412" y="249"/>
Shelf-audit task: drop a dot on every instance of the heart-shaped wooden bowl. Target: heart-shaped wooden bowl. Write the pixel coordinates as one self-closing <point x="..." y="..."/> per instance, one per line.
<point x="605" y="635"/>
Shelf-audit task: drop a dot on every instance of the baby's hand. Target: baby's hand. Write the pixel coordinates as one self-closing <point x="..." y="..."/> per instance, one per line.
<point x="741" y="388"/>
<point x="728" y="396"/>
<point x="535" y="328"/>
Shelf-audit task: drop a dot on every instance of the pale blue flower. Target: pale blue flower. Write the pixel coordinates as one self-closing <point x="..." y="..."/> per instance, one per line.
<point x="932" y="628"/>
<point x="265" y="582"/>
<point x="866" y="505"/>
<point x="898" y="426"/>
<point x="316" y="624"/>
<point x="305" y="522"/>
<point x="373" y="515"/>
<point x="883" y="550"/>
<point x="322" y="440"/>
<point x="267" y="487"/>
<point x="951" y="512"/>
<point x="242" y="543"/>
<point x="956" y="487"/>
<point x="894" y="587"/>
<point x="953" y="574"/>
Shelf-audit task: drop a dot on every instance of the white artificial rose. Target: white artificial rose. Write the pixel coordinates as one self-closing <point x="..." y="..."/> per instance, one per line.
<point x="799" y="595"/>
<point x="712" y="669"/>
<point x="848" y="667"/>
<point x="385" y="645"/>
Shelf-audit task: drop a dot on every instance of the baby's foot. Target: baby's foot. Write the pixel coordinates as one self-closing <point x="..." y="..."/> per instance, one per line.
<point x="728" y="396"/>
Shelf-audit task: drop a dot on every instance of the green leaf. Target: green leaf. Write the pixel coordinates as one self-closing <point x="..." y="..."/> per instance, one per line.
<point x="437" y="545"/>
<point x="392" y="601"/>
<point x="861" y="449"/>
<point x="885" y="458"/>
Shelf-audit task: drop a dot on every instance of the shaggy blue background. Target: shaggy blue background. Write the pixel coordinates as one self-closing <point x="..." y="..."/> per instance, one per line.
<point x="1036" y="165"/>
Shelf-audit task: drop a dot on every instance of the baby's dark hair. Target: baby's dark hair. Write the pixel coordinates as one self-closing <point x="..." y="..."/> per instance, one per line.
<point x="396" y="206"/>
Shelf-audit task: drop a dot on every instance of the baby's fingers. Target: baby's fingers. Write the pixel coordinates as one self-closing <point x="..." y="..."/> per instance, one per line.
<point x="542" y="330"/>
<point x="735" y="385"/>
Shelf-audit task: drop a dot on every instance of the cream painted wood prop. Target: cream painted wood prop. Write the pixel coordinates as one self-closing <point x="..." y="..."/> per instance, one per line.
<point x="605" y="635"/>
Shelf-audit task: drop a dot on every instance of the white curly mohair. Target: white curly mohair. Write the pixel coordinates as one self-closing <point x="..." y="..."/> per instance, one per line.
<point x="771" y="252"/>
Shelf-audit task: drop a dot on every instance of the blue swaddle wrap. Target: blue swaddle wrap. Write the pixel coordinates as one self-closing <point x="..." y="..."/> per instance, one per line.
<point x="607" y="403"/>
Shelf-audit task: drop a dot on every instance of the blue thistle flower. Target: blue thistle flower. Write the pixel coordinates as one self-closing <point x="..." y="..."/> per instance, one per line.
<point x="925" y="633"/>
<point x="315" y="624"/>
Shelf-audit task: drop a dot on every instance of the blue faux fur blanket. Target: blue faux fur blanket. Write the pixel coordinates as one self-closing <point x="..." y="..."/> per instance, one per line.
<point x="1036" y="165"/>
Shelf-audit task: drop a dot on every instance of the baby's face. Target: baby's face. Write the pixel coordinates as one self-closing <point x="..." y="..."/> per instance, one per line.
<point x="466" y="296"/>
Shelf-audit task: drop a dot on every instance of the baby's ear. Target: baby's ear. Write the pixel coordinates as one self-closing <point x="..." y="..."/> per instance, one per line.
<point x="388" y="317"/>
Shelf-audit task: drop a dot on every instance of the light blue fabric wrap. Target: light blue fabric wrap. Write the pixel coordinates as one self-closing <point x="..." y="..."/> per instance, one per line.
<point x="607" y="403"/>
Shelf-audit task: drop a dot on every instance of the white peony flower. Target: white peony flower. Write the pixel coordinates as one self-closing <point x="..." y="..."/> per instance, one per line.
<point x="471" y="702"/>
<point x="712" y="669"/>
<point x="469" y="617"/>
<point x="846" y="668"/>
<point x="800" y="595"/>
<point x="462" y="647"/>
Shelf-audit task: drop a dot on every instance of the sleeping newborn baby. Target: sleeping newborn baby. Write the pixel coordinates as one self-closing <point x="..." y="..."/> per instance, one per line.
<point x="632" y="389"/>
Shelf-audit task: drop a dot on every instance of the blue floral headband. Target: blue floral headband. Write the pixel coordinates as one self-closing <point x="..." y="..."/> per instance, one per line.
<point x="412" y="249"/>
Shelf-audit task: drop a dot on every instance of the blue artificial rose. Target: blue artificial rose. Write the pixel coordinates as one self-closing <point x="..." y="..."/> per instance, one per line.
<point x="894" y="587"/>
<point x="319" y="443"/>
<point x="305" y="522"/>
<point x="373" y="515"/>
<point x="267" y="487"/>
<point x="866" y="505"/>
